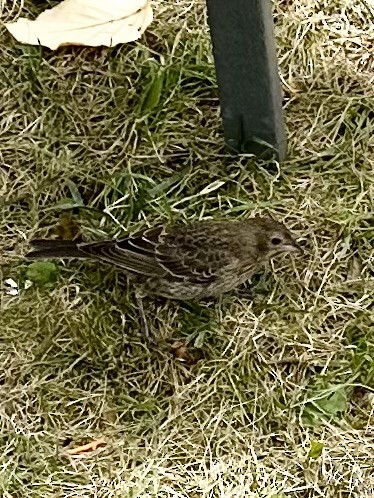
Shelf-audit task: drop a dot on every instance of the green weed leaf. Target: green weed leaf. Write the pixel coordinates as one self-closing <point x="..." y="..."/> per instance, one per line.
<point x="315" y="449"/>
<point x="42" y="272"/>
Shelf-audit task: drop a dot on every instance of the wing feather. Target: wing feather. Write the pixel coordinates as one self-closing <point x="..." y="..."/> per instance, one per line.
<point x="179" y="254"/>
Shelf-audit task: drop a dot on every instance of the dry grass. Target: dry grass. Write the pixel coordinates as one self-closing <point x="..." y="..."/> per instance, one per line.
<point x="292" y="365"/>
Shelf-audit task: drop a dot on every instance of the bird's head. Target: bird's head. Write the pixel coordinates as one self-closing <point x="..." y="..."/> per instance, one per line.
<point x="272" y="237"/>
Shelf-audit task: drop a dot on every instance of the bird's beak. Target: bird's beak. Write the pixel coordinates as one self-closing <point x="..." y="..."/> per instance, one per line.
<point x="294" y="247"/>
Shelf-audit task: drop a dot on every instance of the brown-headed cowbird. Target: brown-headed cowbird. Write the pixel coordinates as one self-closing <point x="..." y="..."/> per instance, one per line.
<point x="204" y="259"/>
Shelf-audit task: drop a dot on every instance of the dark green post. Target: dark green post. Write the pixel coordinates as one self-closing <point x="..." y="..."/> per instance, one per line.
<point x="247" y="74"/>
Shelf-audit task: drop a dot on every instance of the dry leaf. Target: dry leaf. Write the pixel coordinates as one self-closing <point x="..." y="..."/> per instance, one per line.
<point x="181" y="351"/>
<point x="85" y="22"/>
<point x="67" y="227"/>
<point x="84" y="448"/>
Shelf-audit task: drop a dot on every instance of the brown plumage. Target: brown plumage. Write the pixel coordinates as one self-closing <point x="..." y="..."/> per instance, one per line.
<point x="184" y="262"/>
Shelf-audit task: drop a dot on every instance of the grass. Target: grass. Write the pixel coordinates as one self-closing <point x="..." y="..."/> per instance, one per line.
<point x="133" y="133"/>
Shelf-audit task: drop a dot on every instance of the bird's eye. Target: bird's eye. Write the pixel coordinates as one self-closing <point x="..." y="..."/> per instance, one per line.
<point x="276" y="241"/>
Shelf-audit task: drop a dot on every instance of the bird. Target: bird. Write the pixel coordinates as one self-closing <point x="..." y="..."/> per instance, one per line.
<point x="184" y="262"/>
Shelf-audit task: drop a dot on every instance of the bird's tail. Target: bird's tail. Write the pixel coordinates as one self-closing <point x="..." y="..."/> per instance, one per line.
<point x="50" y="249"/>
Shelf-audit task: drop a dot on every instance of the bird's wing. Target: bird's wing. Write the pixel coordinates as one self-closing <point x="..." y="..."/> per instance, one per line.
<point x="181" y="253"/>
<point x="199" y="253"/>
<point x="135" y="254"/>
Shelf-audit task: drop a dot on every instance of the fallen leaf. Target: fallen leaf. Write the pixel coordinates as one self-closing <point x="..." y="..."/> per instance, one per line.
<point x="85" y="22"/>
<point x="67" y="228"/>
<point x="84" y="448"/>
<point x="181" y="352"/>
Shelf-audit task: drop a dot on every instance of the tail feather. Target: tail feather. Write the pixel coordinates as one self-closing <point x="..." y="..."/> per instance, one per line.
<point x="50" y="249"/>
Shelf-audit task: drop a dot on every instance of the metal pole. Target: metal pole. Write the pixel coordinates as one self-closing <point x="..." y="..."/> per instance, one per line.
<point x="247" y="74"/>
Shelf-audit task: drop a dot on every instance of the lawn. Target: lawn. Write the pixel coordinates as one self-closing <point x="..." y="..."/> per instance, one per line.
<point x="277" y="398"/>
